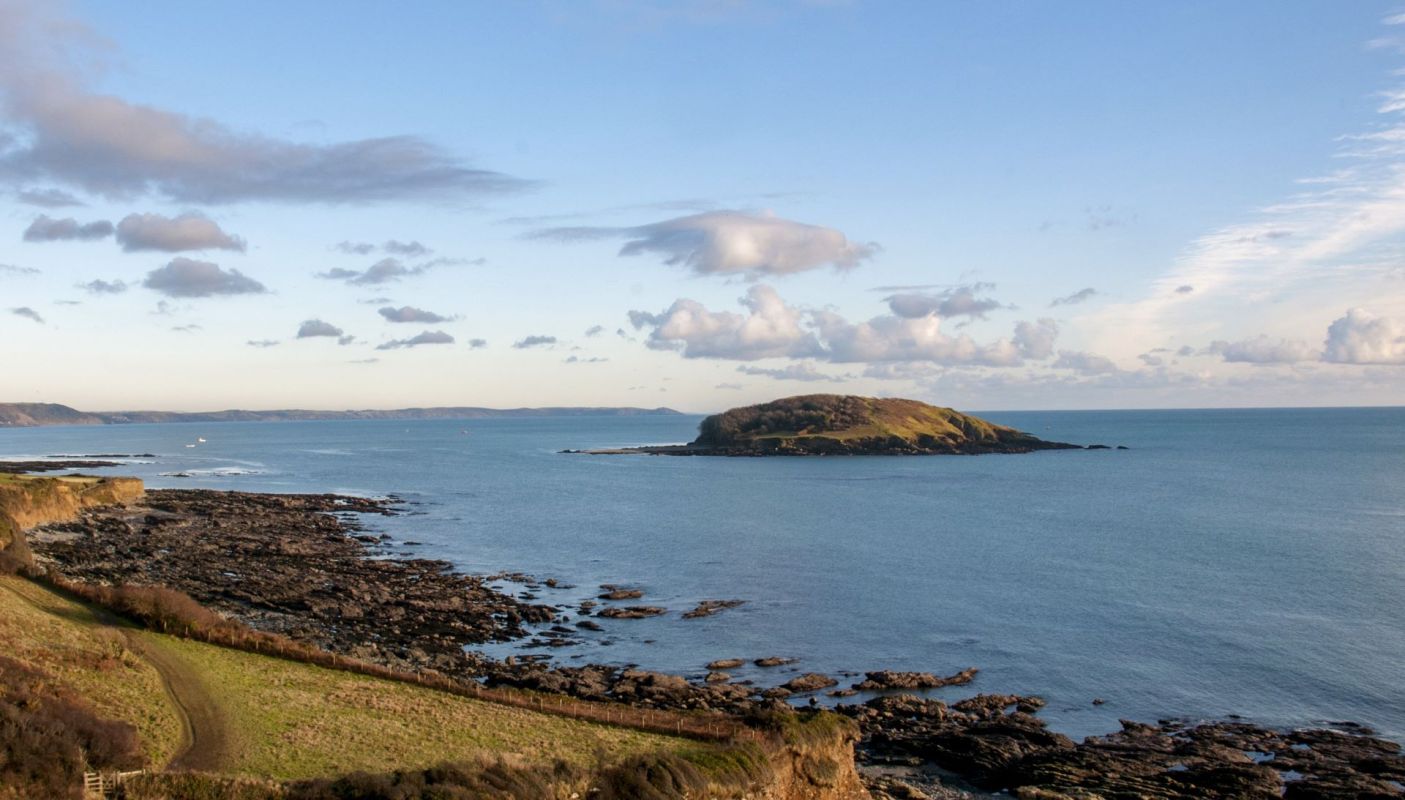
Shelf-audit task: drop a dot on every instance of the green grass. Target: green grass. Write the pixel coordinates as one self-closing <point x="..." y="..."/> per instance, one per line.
<point x="293" y="720"/>
<point x="66" y="641"/>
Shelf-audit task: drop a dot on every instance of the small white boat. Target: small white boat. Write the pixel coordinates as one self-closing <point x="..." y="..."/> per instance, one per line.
<point x="190" y="445"/>
<point x="200" y="439"/>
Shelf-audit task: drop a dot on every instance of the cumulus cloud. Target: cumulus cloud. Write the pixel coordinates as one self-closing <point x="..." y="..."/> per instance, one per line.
<point x="1075" y="298"/>
<point x="190" y="231"/>
<point x="27" y="313"/>
<point x="730" y="242"/>
<point x="958" y="301"/>
<point x="72" y="135"/>
<point x="771" y="328"/>
<point x="1361" y="337"/>
<point x="100" y="286"/>
<point x="411" y="314"/>
<point x="428" y="337"/>
<point x="474" y="344"/>
<point x="794" y="372"/>
<point x="315" y="328"/>
<point x="1262" y="350"/>
<point x="1084" y="363"/>
<point x="68" y="229"/>
<point x="594" y="330"/>
<point x="184" y="277"/>
<point x="355" y="248"/>
<point x="1184" y="288"/>
<point x="48" y="198"/>
<point x="534" y="341"/>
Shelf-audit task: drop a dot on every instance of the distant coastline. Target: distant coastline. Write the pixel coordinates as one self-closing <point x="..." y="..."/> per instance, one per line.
<point x="29" y="415"/>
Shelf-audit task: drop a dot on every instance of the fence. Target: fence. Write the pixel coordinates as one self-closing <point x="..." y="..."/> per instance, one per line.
<point x="104" y="785"/>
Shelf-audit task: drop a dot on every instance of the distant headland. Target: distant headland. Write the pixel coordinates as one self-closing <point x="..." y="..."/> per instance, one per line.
<point x="831" y="424"/>
<point x="24" y="415"/>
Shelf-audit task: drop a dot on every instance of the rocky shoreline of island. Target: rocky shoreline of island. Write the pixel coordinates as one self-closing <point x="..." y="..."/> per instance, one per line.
<point x="311" y="568"/>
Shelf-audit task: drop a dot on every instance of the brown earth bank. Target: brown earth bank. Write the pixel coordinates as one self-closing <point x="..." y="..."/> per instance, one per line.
<point x="302" y="565"/>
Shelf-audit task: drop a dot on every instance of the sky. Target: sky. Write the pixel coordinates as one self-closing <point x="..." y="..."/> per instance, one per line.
<point x="701" y="204"/>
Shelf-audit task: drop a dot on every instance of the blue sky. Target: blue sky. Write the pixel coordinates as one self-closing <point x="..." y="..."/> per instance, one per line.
<point x="747" y="199"/>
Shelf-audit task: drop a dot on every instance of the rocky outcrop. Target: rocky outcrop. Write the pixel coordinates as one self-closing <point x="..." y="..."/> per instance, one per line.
<point x="26" y="502"/>
<point x="826" y="424"/>
<point x="889" y="680"/>
<point x="296" y="565"/>
<point x="997" y="743"/>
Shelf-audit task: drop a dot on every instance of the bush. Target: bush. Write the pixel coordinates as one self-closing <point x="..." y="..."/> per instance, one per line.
<point x="49" y="737"/>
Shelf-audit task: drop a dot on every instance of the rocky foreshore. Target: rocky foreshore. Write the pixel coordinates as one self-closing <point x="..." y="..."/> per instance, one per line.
<point x="304" y="566"/>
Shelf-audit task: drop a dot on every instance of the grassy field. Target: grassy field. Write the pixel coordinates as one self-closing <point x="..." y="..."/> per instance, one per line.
<point x="291" y="720"/>
<point x="285" y="719"/>
<point x="65" y="640"/>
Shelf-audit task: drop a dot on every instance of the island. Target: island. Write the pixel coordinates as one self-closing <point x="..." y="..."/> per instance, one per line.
<point x="831" y="424"/>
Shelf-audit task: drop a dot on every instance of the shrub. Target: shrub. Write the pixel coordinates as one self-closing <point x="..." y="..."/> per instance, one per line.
<point x="48" y="737"/>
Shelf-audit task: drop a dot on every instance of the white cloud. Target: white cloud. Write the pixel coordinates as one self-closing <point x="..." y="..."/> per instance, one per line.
<point x="1084" y="363"/>
<point x="47" y="229"/>
<point x="184" y="277"/>
<point x="27" y="313"/>
<point x="1074" y="299"/>
<point x="105" y="145"/>
<point x="803" y="371"/>
<point x="957" y="301"/>
<point x="190" y="231"/>
<point x="1361" y="337"/>
<point x="316" y="328"/>
<point x="104" y="287"/>
<point x="534" y="341"/>
<point x="771" y="328"/>
<point x="428" y="337"/>
<point x="731" y="242"/>
<point x="411" y="314"/>
<point x="1263" y="350"/>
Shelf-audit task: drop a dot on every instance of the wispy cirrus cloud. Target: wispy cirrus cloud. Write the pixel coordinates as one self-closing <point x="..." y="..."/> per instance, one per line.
<point x="388" y="270"/>
<point x="100" y="286"/>
<point x="729" y="242"/>
<point x="48" y="198"/>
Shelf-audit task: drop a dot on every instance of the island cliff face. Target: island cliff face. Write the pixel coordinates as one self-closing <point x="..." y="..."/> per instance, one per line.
<point x="827" y="424"/>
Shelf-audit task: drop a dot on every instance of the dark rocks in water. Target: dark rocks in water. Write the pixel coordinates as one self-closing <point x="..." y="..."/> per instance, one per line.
<point x="717" y="677"/>
<point x="707" y="608"/>
<point x="616" y="593"/>
<point x="809" y="682"/>
<point x="773" y="661"/>
<point x="995" y="742"/>
<point x="297" y="565"/>
<point x="22" y="467"/>
<point x="888" y="680"/>
<point x="632" y="612"/>
<point x="725" y="663"/>
<point x="587" y="625"/>
<point x="843" y="692"/>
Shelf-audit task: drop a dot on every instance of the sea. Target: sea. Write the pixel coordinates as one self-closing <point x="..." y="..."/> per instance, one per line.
<point x="1245" y="563"/>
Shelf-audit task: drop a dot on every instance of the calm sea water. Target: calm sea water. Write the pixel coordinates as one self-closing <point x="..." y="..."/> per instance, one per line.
<point x="1232" y="562"/>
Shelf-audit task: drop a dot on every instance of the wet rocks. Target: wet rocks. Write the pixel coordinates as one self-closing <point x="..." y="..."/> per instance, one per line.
<point x="809" y="682"/>
<point x="717" y="677"/>
<point x="996" y="742"/>
<point x="773" y="661"/>
<point x="631" y="612"/>
<point x="707" y="608"/>
<point x="297" y="565"/>
<point x="613" y="592"/>
<point x="725" y="663"/>
<point x="889" y="680"/>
